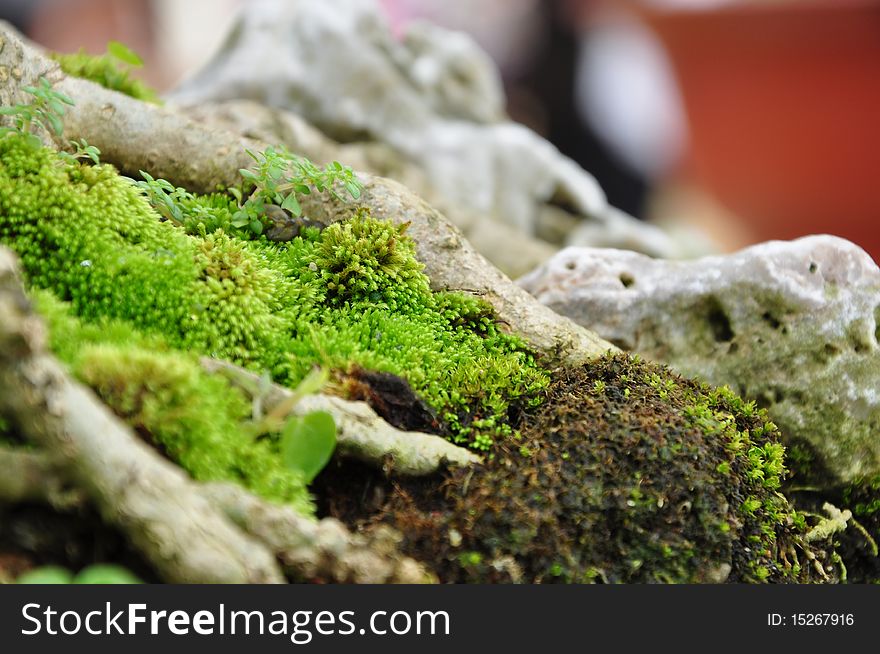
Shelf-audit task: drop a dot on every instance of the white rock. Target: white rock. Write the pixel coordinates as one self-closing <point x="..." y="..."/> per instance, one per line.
<point x="433" y="96"/>
<point x="793" y="325"/>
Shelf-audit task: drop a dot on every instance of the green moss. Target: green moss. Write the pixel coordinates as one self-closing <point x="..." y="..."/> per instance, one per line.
<point x="859" y="545"/>
<point x="107" y="71"/>
<point x="671" y="482"/>
<point x="812" y="485"/>
<point x="352" y="294"/>
<point x="198" y="420"/>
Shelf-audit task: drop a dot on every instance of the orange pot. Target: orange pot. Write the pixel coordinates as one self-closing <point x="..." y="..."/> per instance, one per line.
<point x="783" y="101"/>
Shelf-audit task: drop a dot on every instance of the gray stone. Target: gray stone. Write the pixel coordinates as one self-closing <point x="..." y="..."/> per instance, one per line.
<point x="793" y="325"/>
<point x="433" y="96"/>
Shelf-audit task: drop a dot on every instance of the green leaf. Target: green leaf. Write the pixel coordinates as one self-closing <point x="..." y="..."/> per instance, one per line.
<point x="105" y="574"/>
<point x="66" y="99"/>
<point x="240" y="219"/>
<point x="275" y="172"/>
<point x="55" y="123"/>
<point x="256" y="226"/>
<point x="56" y="106"/>
<point x="312" y="382"/>
<point x="308" y="442"/>
<point x="291" y="204"/>
<point x="354" y="189"/>
<point x="123" y="53"/>
<point x="48" y="574"/>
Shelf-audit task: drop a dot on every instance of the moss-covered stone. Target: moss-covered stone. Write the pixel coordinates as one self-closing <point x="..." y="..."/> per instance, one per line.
<point x="627" y="473"/>
<point x="352" y="294"/>
<point x="793" y="325"/>
<point x="198" y="420"/>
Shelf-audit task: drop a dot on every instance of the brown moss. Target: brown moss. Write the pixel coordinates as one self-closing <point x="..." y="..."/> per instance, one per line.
<point x="627" y="473"/>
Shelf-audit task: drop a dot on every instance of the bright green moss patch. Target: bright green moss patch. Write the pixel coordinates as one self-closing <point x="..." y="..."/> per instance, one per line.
<point x="350" y="295"/>
<point x="627" y="473"/>
<point x="198" y="420"/>
<point x="108" y="71"/>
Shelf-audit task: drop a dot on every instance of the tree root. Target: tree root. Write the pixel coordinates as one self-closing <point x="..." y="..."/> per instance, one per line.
<point x="184" y="529"/>
<point x="30" y="476"/>
<point x="361" y="434"/>
<point x="323" y="550"/>
<point x="136" y="136"/>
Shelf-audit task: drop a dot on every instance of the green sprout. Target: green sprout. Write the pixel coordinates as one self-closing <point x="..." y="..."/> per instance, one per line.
<point x="278" y="176"/>
<point x="45" y="111"/>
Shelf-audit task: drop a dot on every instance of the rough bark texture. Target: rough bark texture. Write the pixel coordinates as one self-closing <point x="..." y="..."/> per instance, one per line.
<point x="309" y="550"/>
<point x="324" y="550"/>
<point x="361" y="434"/>
<point x="137" y="136"/>
<point x="31" y="476"/>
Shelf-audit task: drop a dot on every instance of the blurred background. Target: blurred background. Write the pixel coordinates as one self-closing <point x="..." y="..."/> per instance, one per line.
<point x="749" y="119"/>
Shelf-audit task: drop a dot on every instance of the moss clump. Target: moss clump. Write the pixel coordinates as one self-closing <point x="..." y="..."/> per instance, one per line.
<point x="352" y="294"/>
<point x="198" y="420"/>
<point x="627" y="473"/>
<point x="106" y="70"/>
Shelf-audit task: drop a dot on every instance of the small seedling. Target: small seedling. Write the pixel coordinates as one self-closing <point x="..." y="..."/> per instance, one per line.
<point x="82" y="150"/>
<point x="45" y="111"/>
<point x="279" y="177"/>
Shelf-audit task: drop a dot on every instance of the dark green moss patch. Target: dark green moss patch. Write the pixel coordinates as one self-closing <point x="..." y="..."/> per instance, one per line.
<point x="811" y="485"/>
<point x="858" y="547"/>
<point x="628" y="473"/>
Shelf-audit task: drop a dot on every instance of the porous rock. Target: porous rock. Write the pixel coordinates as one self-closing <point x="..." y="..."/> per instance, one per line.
<point x="793" y="325"/>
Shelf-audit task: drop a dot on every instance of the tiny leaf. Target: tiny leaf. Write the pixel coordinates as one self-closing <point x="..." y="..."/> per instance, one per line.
<point x="312" y="382"/>
<point x="123" y="53"/>
<point x="308" y="443"/>
<point x="48" y="574"/>
<point x="291" y="204"/>
<point x="105" y="574"/>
